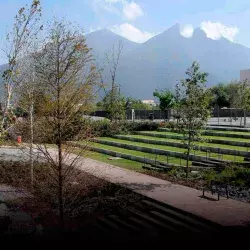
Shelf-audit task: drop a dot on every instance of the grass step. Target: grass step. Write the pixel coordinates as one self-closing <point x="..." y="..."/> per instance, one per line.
<point x="197" y="223"/>
<point x="153" y="221"/>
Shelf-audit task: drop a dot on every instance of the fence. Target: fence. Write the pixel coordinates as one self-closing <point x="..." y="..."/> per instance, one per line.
<point x="148" y="115"/>
<point x="219" y="116"/>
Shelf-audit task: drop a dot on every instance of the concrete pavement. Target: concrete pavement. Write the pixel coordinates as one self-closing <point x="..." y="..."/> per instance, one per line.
<point x="224" y="212"/>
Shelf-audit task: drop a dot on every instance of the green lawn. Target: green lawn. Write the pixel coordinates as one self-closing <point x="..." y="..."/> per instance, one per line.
<point x="206" y="144"/>
<point x="171" y="148"/>
<point x="123" y="163"/>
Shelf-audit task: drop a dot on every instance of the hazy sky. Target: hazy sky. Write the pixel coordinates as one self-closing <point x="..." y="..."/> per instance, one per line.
<point x="139" y="20"/>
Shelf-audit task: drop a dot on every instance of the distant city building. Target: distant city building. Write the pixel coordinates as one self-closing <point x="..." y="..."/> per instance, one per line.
<point x="245" y="75"/>
<point x="150" y="102"/>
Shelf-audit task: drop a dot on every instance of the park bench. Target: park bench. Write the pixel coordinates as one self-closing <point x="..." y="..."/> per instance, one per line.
<point x="216" y="187"/>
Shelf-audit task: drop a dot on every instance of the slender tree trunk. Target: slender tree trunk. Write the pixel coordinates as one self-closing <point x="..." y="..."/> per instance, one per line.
<point x="60" y="184"/>
<point x="241" y="117"/>
<point x="59" y="144"/>
<point x="245" y="118"/>
<point x="112" y="99"/>
<point x="187" y="168"/>
<point x="188" y="151"/>
<point x="31" y="147"/>
<point x="6" y="107"/>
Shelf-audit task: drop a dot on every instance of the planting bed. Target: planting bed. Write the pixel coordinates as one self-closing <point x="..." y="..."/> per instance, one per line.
<point x="237" y="193"/>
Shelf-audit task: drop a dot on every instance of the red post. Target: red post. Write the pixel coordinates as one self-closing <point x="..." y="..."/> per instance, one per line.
<point x="19" y="139"/>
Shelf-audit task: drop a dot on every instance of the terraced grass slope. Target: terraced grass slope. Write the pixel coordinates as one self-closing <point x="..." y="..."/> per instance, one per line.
<point x="164" y="149"/>
<point x="205" y="146"/>
<point x="122" y="144"/>
<point x="214" y="139"/>
<point x="154" y="157"/>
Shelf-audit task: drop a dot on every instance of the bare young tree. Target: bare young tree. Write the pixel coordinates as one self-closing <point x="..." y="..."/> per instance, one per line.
<point x="25" y="28"/>
<point x="26" y="94"/>
<point x="66" y="72"/>
<point x="113" y="59"/>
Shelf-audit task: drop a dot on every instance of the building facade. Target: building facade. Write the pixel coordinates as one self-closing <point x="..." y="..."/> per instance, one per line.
<point x="245" y="75"/>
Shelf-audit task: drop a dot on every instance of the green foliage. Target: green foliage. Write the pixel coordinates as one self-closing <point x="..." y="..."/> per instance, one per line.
<point x="234" y="94"/>
<point x="166" y="99"/>
<point x="132" y="103"/>
<point x="210" y="175"/>
<point x="107" y="128"/>
<point x="114" y="103"/>
<point x="221" y="95"/>
<point x="238" y="176"/>
<point x="242" y="100"/>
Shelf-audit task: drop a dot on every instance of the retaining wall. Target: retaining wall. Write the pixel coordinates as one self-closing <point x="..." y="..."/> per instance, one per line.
<point x="213" y="133"/>
<point x="217" y="141"/>
<point x="236" y="129"/>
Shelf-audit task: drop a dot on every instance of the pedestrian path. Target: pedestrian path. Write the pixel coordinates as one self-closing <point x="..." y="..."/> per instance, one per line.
<point x="226" y="212"/>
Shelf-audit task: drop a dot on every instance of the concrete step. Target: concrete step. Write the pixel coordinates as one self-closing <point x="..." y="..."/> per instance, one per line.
<point x="123" y="223"/>
<point x="203" y="164"/>
<point x="163" y="209"/>
<point x="183" y="227"/>
<point x="155" y="222"/>
<point x="106" y="223"/>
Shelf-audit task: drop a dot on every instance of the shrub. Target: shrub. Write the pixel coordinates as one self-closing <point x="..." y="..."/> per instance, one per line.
<point x="108" y="128"/>
<point x="237" y="176"/>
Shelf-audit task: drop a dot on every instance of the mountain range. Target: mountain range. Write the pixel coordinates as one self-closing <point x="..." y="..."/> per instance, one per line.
<point x="163" y="60"/>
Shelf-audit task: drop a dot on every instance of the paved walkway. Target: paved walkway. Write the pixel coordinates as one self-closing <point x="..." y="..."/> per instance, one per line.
<point x="225" y="212"/>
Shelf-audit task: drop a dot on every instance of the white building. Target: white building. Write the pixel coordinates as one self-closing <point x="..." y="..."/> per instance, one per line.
<point x="150" y="102"/>
<point x="245" y="75"/>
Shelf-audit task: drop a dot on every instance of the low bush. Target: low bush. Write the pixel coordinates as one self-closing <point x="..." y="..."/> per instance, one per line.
<point x="108" y="128"/>
<point x="237" y="176"/>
